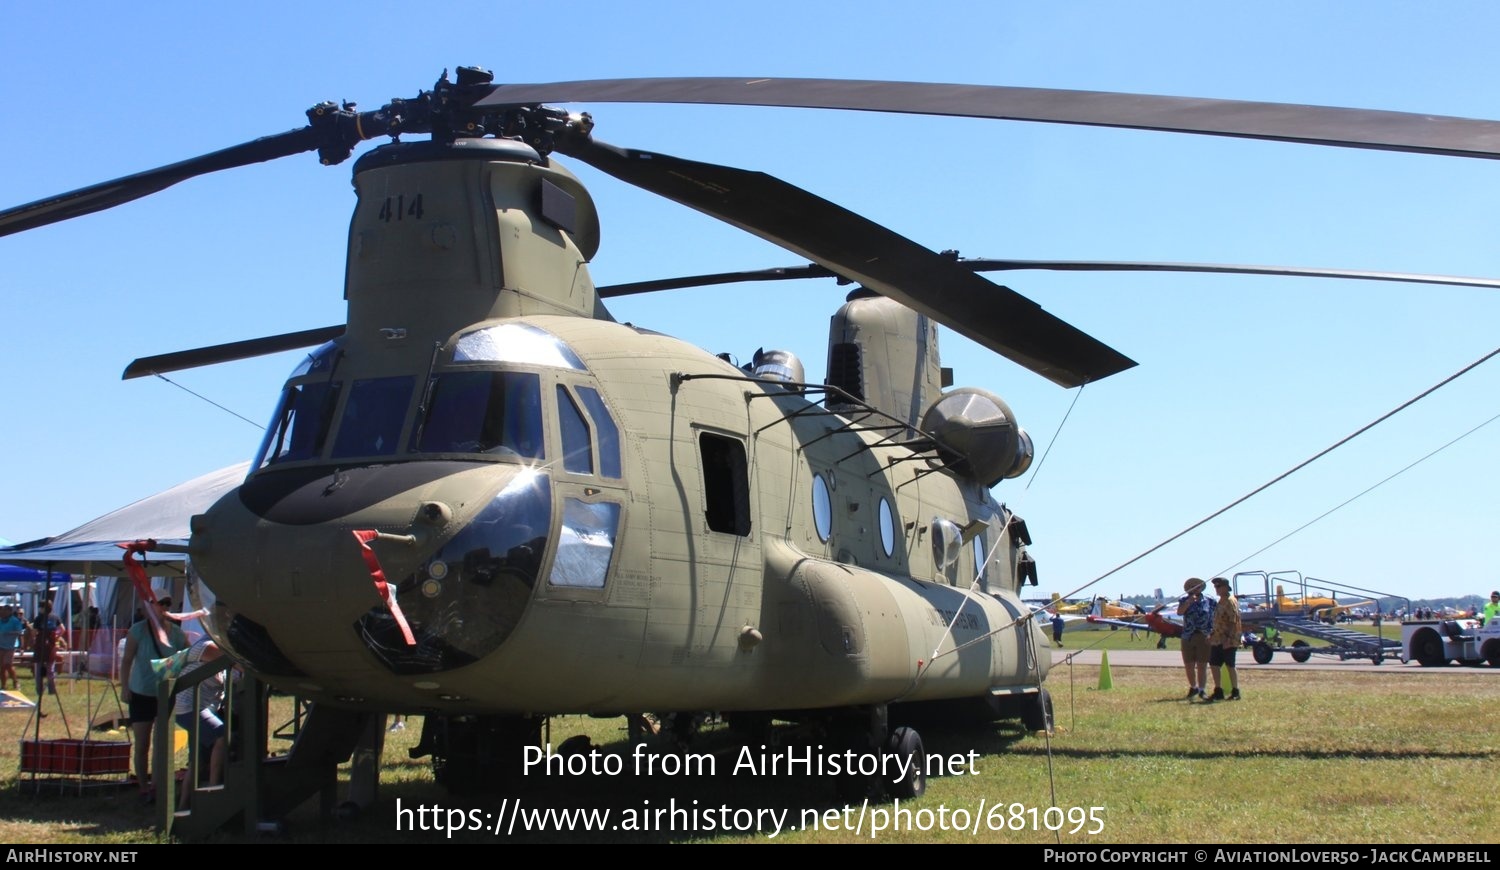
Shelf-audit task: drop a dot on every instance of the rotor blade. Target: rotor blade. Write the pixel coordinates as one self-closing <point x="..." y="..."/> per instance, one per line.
<point x="987" y="265"/>
<point x="204" y="356"/>
<point x="811" y="270"/>
<point x="98" y="197"/>
<point x="990" y="265"/>
<point x="1318" y="125"/>
<point x="997" y="317"/>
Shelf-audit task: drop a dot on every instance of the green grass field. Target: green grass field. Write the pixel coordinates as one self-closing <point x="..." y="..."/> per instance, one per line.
<point x="1307" y="757"/>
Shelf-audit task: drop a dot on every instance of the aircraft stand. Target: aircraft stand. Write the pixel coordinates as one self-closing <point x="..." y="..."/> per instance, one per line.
<point x="261" y="788"/>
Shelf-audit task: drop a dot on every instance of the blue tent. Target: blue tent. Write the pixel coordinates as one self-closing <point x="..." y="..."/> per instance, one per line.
<point x="15" y="574"/>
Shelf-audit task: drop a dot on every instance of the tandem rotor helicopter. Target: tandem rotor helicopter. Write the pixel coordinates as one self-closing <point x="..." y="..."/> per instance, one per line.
<point x="485" y="500"/>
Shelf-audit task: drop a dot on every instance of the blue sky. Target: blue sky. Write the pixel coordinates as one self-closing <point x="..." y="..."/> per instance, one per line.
<point x="1239" y="378"/>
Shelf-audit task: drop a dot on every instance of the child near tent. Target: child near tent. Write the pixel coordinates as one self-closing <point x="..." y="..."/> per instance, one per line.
<point x="197" y="711"/>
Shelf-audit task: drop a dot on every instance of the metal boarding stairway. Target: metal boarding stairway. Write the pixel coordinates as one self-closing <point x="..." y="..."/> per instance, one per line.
<point x="1344" y="642"/>
<point x="1302" y="620"/>
<point x="261" y="788"/>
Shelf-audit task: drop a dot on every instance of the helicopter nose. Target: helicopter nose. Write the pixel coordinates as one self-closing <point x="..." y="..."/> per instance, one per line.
<point x="296" y="596"/>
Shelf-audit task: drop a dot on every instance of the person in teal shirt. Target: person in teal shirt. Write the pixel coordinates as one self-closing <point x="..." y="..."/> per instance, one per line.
<point x="140" y="683"/>
<point x="12" y="629"/>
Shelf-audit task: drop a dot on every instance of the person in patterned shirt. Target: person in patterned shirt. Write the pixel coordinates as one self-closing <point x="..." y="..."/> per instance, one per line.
<point x="1197" y="614"/>
<point x="1224" y="641"/>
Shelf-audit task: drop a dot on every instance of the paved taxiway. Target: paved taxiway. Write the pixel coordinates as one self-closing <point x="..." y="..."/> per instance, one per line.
<point x="1172" y="658"/>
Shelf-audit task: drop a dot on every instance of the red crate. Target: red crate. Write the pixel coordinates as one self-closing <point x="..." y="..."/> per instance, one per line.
<point x="76" y="757"/>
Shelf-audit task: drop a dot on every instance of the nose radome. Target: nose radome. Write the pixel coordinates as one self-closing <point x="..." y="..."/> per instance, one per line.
<point x="282" y="555"/>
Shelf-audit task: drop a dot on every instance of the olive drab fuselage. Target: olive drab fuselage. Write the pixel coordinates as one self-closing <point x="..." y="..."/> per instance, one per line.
<point x="577" y="515"/>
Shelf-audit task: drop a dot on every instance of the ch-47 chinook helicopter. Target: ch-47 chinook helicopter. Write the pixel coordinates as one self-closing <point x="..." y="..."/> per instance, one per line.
<point x="484" y="499"/>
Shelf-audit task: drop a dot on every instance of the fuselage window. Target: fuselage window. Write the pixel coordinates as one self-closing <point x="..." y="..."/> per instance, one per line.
<point x="947" y="546"/>
<point x="608" y="432"/>
<point x="585" y="544"/>
<point x="483" y="412"/>
<point x="887" y="527"/>
<point x="302" y="422"/>
<point x="726" y="484"/>
<point x="979" y="553"/>
<point x="822" y="508"/>
<point x="578" y="453"/>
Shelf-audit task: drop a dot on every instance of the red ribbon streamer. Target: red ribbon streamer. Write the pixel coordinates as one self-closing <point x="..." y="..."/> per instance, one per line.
<point x="365" y="536"/>
<point x="143" y="589"/>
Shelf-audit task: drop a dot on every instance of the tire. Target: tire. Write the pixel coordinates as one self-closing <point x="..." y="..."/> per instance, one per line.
<point x="1491" y="653"/>
<point x="1036" y="713"/>
<point x="1300" y="651"/>
<point x="1262" y="653"/>
<point x="1427" y="649"/>
<point x="906" y="744"/>
<point x="481" y="754"/>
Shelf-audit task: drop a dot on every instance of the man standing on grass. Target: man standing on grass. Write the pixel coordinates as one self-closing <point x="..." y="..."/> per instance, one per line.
<point x="1197" y="614"/>
<point x="1224" y="641"/>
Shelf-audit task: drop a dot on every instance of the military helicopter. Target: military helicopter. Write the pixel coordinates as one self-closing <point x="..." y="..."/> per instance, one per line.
<point x="483" y="499"/>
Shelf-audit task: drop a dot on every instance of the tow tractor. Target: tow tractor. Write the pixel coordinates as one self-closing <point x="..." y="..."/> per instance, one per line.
<point x="1436" y="642"/>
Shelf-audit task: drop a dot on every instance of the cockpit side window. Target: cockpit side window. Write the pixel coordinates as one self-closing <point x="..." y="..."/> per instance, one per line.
<point x="302" y="422"/>
<point x="608" y="432"/>
<point x="578" y="451"/>
<point x="373" y="417"/>
<point x="585" y="544"/>
<point x="483" y="412"/>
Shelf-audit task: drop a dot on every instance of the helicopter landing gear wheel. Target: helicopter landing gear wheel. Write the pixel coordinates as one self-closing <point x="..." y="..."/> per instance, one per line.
<point x="753" y="728"/>
<point x="1300" y="651"/>
<point x="863" y="731"/>
<point x="481" y="754"/>
<point x="905" y="745"/>
<point x="1036" y="713"/>
<point x="1262" y="653"/>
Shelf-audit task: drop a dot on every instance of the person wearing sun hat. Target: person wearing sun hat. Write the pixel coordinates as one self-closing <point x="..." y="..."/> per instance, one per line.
<point x="1197" y="614"/>
<point x="1224" y="641"/>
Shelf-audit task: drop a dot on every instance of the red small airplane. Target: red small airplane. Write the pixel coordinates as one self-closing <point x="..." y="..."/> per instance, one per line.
<point x="1170" y="625"/>
<point x="1153" y="620"/>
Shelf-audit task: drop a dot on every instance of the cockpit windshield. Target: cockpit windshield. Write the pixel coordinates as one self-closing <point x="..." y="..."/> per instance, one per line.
<point x="304" y="415"/>
<point x="303" y="418"/>
<point x="472" y="402"/>
<point x="373" y="416"/>
<point x="483" y="412"/>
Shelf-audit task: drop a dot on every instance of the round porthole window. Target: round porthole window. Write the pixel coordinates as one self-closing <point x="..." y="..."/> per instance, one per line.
<point x="887" y="527"/>
<point x="822" y="508"/>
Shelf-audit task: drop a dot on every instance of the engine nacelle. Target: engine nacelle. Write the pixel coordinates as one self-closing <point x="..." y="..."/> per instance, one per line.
<point x="978" y="435"/>
<point x="777" y="365"/>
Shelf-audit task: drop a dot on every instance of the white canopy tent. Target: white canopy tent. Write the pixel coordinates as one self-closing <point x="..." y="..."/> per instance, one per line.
<point x="90" y="553"/>
<point x="90" y="550"/>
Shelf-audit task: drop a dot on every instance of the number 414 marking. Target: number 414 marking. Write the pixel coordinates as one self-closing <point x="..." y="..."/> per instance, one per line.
<point x="397" y="208"/>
